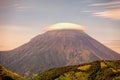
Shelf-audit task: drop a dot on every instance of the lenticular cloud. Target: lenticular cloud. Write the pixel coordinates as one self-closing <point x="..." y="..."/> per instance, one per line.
<point x="60" y="26"/>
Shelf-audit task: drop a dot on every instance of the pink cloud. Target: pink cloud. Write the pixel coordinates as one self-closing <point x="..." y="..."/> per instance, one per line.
<point x="112" y="14"/>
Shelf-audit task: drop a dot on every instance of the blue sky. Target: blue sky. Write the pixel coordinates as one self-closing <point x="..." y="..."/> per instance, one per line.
<point x="28" y="18"/>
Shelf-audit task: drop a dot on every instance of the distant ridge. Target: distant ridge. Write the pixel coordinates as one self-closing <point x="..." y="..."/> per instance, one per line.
<point x="55" y="48"/>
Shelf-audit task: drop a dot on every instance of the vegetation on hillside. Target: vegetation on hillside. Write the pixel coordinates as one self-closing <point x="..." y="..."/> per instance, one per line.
<point x="98" y="70"/>
<point x="8" y="75"/>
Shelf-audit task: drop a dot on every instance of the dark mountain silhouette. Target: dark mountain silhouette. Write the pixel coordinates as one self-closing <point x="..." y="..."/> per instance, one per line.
<point x="55" y="48"/>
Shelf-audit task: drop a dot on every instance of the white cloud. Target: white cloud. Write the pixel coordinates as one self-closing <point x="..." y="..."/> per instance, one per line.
<point x="112" y="14"/>
<point x="87" y="11"/>
<point x="60" y="26"/>
<point x="107" y="3"/>
<point x="21" y="7"/>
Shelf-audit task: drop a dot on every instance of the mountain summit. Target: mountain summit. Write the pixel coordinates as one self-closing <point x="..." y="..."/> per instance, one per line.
<point x="55" y="48"/>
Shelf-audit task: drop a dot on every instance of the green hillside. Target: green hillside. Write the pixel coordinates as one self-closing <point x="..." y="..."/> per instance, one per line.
<point x="8" y="75"/>
<point x="98" y="70"/>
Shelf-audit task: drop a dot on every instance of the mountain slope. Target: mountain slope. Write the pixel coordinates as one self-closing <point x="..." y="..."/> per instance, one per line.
<point x="8" y="75"/>
<point x="55" y="48"/>
<point x="99" y="70"/>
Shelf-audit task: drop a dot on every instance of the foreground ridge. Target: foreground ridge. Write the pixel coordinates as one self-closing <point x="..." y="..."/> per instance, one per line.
<point x="9" y="75"/>
<point x="98" y="70"/>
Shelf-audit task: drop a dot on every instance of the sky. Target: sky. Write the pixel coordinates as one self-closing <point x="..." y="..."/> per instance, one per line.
<point x="21" y="20"/>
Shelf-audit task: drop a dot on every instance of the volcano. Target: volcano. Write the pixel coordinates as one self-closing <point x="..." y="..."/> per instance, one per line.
<point x="55" y="48"/>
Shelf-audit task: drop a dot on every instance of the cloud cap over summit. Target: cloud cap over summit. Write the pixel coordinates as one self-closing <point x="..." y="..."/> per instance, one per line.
<point x="61" y="26"/>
